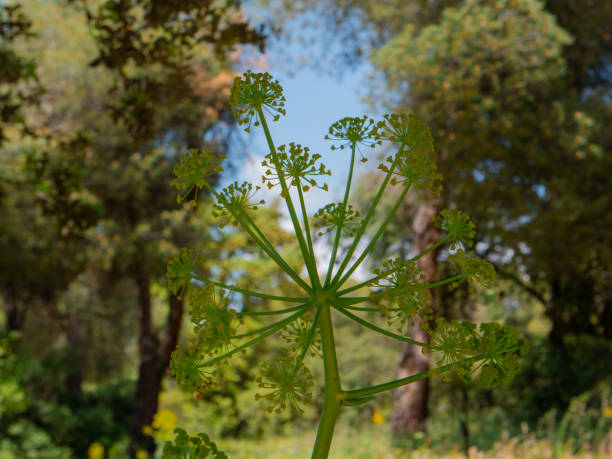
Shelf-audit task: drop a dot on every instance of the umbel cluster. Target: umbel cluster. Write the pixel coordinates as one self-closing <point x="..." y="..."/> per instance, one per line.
<point x="486" y="354"/>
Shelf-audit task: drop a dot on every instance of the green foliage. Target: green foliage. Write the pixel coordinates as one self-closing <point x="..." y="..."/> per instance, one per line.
<point x="405" y="129"/>
<point x="188" y="368"/>
<point x="302" y="334"/>
<point x="586" y="421"/>
<point x="517" y="96"/>
<point x="40" y="418"/>
<point x="212" y="320"/>
<point x="19" y="85"/>
<point x="415" y="166"/>
<point x="489" y="357"/>
<point x="194" y="447"/>
<point x="499" y="84"/>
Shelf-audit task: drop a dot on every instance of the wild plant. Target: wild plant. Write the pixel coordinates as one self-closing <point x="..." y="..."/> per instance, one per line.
<point x="486" y="354"/>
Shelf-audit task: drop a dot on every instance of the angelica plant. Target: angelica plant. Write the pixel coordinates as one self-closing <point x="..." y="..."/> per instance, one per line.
<point x="486" y="354"/>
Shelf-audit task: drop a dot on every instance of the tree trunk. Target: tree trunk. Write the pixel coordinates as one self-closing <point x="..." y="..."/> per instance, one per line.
<point x="74" y="378"/>
<point x="154" y="359"/>
<point x="554" y="311"/>
<point x="15" y="311"/>
<point x="410" y="401"/>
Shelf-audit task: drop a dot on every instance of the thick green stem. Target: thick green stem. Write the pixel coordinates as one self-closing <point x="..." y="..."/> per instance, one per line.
<point x="333" y="392"/>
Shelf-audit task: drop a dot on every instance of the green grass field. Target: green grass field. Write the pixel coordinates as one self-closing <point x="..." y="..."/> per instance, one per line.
<point x="374" y="443"/>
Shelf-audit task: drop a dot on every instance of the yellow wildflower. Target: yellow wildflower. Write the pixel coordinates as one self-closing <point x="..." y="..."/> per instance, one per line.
<point x="95" y="451"/>
<point x="378" y="418"/>
<point x="607" y="412"/>
<point x="165" y="420"/>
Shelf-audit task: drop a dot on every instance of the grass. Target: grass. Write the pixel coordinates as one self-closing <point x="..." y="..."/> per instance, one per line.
<point x="374" y="443"/>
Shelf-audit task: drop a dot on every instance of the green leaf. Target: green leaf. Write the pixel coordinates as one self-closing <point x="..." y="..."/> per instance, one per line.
<point x="195" y="447"/>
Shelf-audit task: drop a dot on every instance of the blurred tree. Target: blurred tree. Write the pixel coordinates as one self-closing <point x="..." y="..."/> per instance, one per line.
<point x="18" y="82"/>
<point x="128" y="85"/>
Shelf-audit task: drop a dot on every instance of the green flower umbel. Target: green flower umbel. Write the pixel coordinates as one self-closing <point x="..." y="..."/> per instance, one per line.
<point x="179" y="271"/>
<point x="254" y="92"/>
<point x="353" y="131"/>
<point x="458" y="226"/>
<point x="289" y="384"/>
<point x="193" y="170"/>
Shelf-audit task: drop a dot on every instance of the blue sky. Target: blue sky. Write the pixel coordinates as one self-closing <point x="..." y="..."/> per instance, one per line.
<point x="314" y="101"/>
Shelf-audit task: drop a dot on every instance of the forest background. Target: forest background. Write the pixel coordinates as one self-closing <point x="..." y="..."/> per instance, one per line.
<point x="98" y="99"/>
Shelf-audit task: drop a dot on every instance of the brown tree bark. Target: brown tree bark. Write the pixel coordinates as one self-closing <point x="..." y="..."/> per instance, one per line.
<point x="14" y="310"/>
<point x="74" y="378"/>
<point x="410" y="401"/>
<point x="154" y="359"/>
